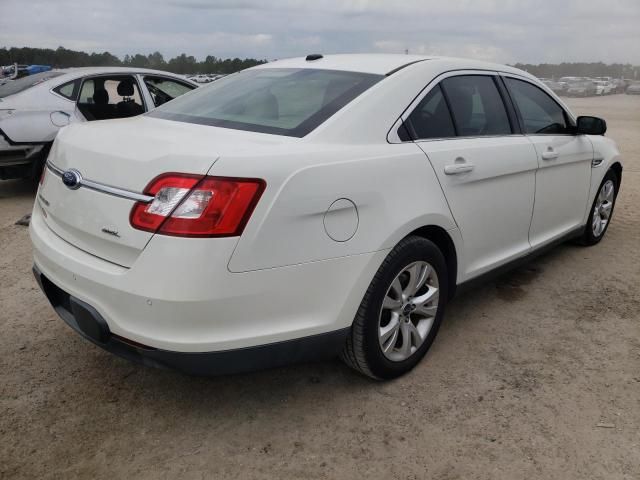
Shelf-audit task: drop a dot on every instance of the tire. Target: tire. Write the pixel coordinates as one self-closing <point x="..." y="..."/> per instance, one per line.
<point x="417" y="320"/>
<point x="594" y="232"/>
<point x="39" y="162"/>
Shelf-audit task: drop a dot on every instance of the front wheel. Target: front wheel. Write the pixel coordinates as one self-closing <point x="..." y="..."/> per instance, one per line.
<point x="601" y="210"/>
<point x="401" y="312"/>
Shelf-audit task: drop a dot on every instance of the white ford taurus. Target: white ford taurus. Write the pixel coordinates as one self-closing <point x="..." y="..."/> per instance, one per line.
<point x="310" y="207"/>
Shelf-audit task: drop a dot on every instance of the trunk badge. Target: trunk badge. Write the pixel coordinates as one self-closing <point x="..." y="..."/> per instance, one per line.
<point x="111" y="231"/>
<point x="72" y="179"/>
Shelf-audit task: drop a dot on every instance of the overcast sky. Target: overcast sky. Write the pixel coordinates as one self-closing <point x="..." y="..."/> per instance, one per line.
<point x="506" y="31"/>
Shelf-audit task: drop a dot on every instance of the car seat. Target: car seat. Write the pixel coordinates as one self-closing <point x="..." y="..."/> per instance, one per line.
<point x="128" y="106"/>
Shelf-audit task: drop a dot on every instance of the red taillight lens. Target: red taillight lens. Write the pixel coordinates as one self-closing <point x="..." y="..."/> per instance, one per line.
<point x="44" y="172"/>
<point x="193" y="206"/>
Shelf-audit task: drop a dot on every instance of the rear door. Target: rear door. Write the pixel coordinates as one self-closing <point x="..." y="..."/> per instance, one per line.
<point x="486" y="169"/>
<point x="108" y="97"/>
<point x="564" y="176"/>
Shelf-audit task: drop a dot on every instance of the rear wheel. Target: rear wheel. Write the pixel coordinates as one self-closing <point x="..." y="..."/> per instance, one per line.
<point x="39" y="162"/>
<point x="401" y="312"/>
<point x="601" y="210"/>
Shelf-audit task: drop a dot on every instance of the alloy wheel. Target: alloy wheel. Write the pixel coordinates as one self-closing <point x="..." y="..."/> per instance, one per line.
<point x="603" y="207"/>
<point x="408" y="311"/>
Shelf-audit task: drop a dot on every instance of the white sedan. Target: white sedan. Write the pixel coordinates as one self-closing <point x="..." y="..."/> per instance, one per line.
<point x="310" y="207"/>
<point x="604" y="87"/>
<point x="34" y="108"/>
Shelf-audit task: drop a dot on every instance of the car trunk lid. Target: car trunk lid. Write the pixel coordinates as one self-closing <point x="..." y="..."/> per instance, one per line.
<point x="117" y="160"/>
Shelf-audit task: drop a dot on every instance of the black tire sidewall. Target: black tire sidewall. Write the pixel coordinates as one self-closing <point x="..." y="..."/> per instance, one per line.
<point x="39" y="163"/>
<point x="415" y="249"/>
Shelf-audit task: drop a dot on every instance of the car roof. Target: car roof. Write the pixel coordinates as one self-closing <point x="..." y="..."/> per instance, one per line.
<point x="383" y="63"/>
<point x="63" y="75"/>
<point x="77" y="72"/>
<point x="97" y="70"/>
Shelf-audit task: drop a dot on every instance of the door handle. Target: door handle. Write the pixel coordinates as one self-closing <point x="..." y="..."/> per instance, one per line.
<point x="550" y="155"/>
<point x="458" y="168"/>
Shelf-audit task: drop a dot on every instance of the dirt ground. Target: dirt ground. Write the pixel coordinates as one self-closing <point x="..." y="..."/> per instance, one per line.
<point x="534" y="376"/>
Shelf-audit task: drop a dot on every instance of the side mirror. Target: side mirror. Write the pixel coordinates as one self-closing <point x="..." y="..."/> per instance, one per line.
<point x="591" y="126"/>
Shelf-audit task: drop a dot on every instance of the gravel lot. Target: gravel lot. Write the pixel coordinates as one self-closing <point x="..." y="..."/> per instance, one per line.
<point x="534" y="376"/>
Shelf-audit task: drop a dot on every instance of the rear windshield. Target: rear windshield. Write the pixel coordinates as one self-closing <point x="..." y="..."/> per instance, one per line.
<point x="10" y="87"/>
<point x="281" y="101"/>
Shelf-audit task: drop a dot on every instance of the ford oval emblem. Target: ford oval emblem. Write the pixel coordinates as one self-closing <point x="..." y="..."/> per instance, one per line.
<point x="72" y="178"/>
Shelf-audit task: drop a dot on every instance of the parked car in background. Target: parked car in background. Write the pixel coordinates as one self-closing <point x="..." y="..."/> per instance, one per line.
<point x="633" y="89"/>
<point x="201" y="78"/>
<point x="34" y="108"/>
<point x="15" y="71"/>
<point x="604" y="87"/>
<point x="619" y="85"/>
<point x="312" y="206"/>
<point x="559" y="88"/>
<point x="581" y="88"/>
<point x="569" y="80"/>
<point x="217" y="76"/>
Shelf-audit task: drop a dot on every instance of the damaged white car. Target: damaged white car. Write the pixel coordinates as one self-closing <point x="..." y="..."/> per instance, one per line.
<point x="34" y="108"/>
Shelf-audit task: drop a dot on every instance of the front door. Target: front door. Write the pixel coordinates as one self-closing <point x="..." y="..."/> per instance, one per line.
<point x="563" y="179"/>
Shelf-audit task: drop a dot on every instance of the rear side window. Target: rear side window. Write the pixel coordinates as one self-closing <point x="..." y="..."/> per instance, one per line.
<point x="69" y="90"/>
<point x="281" y="101"/>
<point x="476" y="106"/>
<point x="431" y="118"/>
<point x="539" y="112"/>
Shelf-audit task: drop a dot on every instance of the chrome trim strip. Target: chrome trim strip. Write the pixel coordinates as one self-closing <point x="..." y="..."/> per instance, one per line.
<point x="101" y="187"/>
<point x="55" y="169"/>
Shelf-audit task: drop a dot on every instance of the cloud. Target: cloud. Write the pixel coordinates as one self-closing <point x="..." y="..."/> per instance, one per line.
<point x="499" y="30"/>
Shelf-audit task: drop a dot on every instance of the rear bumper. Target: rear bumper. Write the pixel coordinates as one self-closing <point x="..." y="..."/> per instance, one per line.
<point x="86" y="321"/>
<point x="21" y="160"/>
<point x="13" y="154"/>
<point x="178" y="299"/>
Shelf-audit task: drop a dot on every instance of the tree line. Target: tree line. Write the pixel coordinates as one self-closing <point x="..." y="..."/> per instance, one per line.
<point x="65" y="58"/>
<point x="185" y="64"/>
<point x="597" y="69"/>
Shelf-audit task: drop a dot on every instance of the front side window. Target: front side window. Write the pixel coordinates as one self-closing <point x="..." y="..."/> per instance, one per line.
<point x="105" y="98"/>
<point x="164" y="89"/>
<point x="281" y="101"/>
<point x="431" y="118"/>
<point x="476" y="106"/>
<point x="540" y="113"/>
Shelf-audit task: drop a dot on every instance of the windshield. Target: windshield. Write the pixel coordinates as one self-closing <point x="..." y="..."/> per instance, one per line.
<point x="281" y="101"/>
<point x="11" y="87"/>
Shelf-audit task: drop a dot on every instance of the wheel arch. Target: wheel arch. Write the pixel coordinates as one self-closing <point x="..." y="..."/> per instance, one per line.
<point x="444" y="242"/>
<point x="617" y="168"/>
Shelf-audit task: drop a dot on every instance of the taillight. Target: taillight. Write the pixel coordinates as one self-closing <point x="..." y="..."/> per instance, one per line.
<point x="44" y="172"/>
<point x="196" y="206"/>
